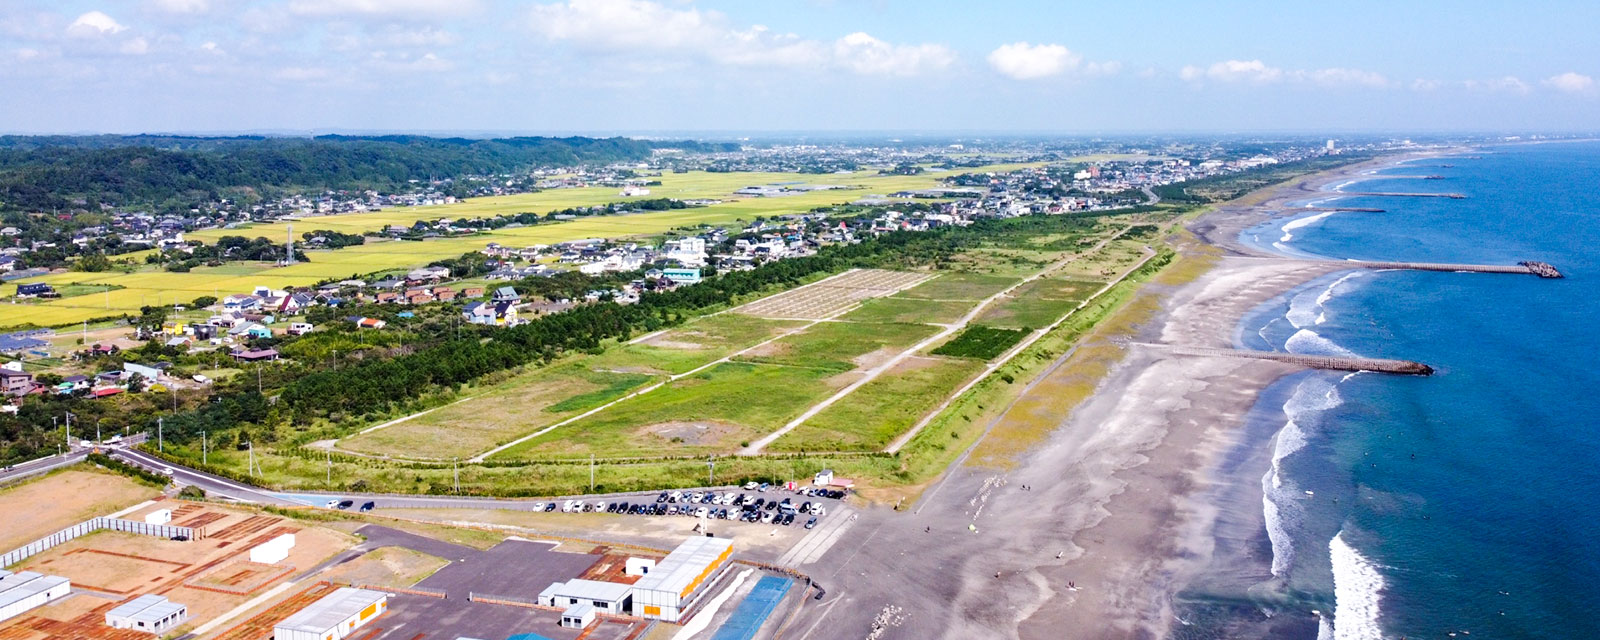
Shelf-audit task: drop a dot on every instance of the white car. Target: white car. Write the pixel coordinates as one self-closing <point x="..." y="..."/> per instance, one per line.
<point x="701" y="512"/>
<point x="571" y="505"/>
<point x="599" y="506"/>
<point x="751" y="486"/>
<point x="167" y="471"/>
<point x="332" y="504"/>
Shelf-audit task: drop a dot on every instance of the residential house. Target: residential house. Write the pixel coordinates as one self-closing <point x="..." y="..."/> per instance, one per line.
<point x="498" y="314"/>
<point x="507" y="294"/>
<point x="15" y="383"/>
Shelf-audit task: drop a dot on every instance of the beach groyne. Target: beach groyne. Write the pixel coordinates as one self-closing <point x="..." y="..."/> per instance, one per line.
<point x="1403" y="194"/>
<point x="1336" y="363"/>
<point x="1526" y="267"/>
<point x="1339" y="209"/>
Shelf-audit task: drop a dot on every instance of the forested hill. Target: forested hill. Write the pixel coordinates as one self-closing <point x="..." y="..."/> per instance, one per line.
<point x="44" y="172"/>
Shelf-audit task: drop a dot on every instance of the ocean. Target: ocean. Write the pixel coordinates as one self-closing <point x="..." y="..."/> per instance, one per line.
<point x="1465" y="504"/>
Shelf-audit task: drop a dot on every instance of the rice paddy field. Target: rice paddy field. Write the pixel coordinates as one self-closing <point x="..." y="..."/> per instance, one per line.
<point x="148" y="286"/>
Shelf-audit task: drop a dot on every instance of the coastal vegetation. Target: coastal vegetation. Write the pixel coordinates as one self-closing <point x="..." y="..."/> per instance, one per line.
<point x="981" y="342"/>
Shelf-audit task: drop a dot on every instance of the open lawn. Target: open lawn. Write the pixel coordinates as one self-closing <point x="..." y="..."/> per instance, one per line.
<point x="1037" y="304"/>
<point x="512" y="408"/>
<point x="959" y="286"/>
<point x="387" y="567"/>
<point x="838" y="347"/>
<point x="694" y="344"/>
<point x="909" y="310"/>
<point x="882" y="409"/>
<point x="37" y="508"/>
<point x="712" y="411"/>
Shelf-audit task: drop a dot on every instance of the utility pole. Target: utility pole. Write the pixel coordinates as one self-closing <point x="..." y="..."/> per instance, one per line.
<point x="711" y="471"/>
<point x="203" y="459"/>
<point x="161" y="443"/>
<point x="330" y="468"/>
<point x="591" y="473"/>
<point x="456" y="467"/>
<point x="250" y="467"/>
<point x="258" y="379"/>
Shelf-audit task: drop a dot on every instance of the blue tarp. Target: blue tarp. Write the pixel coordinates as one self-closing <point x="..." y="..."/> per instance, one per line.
<point x="753" y="611"/>
<point x="527" y="636"/>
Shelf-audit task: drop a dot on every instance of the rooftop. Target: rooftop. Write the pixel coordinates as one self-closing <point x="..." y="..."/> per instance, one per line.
<point x="589" y="590"/>
<point x="684" y="565"/>
<point x="331" y="610"/>
<point x="148" y="607"/>
<point x="16" y="587"/>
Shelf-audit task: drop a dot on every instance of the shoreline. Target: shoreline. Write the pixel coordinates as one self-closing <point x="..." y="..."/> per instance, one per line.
<point x="1153" y="528"/>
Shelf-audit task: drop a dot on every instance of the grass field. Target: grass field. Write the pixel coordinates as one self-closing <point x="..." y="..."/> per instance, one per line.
<point x="150" y="286"/>
<point x="512" y="408"/>
<point x="712" y="411"/>
<point x="959" y="286"/>
<point x="909" y="310"/>
<point x="981" y="342"/>
<point x="1037" y="304"/>
<point x="694" y="344"/>
<point x="882" y="409"/>
<point x="838" y="347"/>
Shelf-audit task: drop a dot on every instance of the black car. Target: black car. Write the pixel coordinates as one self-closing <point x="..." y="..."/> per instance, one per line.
<point x="788" y="519"/>
<point x="346" y="504"/>
<point x="180" y="538"/>
<point x="550" y="507"/>
<point x="662" y="497"/>
<point x="611" y="508"/>
<point x="368" y="505"/>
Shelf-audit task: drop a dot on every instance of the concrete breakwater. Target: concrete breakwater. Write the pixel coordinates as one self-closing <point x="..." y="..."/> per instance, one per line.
<point x="1401" y="194"/>
<point x="1336" y="363"/>
<point x="1527" y="267"/>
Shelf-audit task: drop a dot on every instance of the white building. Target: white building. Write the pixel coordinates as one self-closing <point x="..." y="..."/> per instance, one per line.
<point x="272" y="551"/>
<point x="148" y="612"/>
<point x="577" y="616"/>
<point x="630" y="191"/>
<point x="159" y="516"/>
<point x="602" y="597"/>
<point x="21" y="592"/>
<point x="334" y="616"/>
<point x="639" y="566"/>
<point x="667" y="590"/>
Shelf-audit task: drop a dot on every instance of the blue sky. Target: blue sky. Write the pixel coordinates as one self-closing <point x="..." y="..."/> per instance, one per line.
<point x="604" y="66"/>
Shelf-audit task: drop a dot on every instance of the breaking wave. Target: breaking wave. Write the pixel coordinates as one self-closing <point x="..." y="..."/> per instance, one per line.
<point x="1357" y="591"/>
<point x="1280" y="498"/>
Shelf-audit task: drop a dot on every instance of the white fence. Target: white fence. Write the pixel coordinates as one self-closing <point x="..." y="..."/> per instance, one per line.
<point x="89" y="526"/>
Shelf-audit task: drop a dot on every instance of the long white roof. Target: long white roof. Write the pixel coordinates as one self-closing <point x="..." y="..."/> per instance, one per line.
<point x="684" y="564"/>
<point x="148" y="607"/>
<point x="331" y="610"/>
<point x="16" y="587"/>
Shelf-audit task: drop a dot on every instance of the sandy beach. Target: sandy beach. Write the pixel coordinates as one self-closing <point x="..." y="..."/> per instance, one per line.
<point x="1090" y="533"/>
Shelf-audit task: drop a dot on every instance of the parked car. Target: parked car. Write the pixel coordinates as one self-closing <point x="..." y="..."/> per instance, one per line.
<point x="346" y="504"/>
<point x="812" y="523"/>
<point x="550" y="507"/>
<point x="751" y="486"/>
<point x="368" y="505"/>
<point x="332" y="504"/>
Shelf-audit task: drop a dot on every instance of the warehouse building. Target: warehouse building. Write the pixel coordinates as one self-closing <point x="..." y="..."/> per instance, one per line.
<point x="581" y="600"/>
<point x="665" y="591"/>
<point x="272" y="551"/>
<point x="334" y="616"/>
<point x="148" y="612"/>
<point x="21" y="592"/>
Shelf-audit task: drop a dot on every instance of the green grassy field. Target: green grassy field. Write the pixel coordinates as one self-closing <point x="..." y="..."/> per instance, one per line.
<point x="710" y="412"/>
<point x="909" y="310"/>
<point x="838" y="347"/>
<point x="959" y="286"/>
<point x="694" y="344"/>
<point x="1038" y="303"/>
<point x="882" y="409"/>
<point x="515" y="407"/>
<point x="980" y="342"/>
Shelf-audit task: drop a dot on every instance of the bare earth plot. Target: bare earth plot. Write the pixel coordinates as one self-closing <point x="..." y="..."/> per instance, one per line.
<point x="827" y="298"/>
<point x="35" y="509"/>
<point x="959" y="286"/>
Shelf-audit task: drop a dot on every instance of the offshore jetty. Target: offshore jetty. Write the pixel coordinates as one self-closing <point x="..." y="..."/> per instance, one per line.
<point x="1402" y="194"/>
<point x="1336" y="363"/>
<point x="1526" y="267"/>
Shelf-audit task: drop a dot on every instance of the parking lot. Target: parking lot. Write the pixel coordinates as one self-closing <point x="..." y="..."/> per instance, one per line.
<point x="754" y="503"/>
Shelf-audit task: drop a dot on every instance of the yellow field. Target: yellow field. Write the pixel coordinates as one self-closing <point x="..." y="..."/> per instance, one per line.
<point x="157" y="287"/>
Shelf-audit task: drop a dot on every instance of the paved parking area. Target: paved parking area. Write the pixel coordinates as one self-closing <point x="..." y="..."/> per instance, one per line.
<point x="515" y="568"/>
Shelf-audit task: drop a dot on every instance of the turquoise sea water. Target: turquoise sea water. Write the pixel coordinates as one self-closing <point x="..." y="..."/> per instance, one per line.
<point x="1466" y="504"/>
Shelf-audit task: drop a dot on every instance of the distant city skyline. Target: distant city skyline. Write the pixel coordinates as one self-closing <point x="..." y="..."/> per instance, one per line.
<point x="598" y="66"/>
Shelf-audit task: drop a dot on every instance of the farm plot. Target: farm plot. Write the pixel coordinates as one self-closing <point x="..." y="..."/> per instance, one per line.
<point x="694" y="344"/>
<point x="882" y="409"/>
<point x="897" y="309"/>
<point x="1037" y="304"/>
<point x="709" y="412"/>
<point x="827" y="298"/>
<point x="980" y="342"/>
<point x="959" y="286"/>
<point x="523" y="404"/>
<point x="840" y="347"/>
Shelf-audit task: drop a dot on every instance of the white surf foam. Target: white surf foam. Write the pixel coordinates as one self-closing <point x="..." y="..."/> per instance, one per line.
<point x="1357" y="593"/>
<point x="1280" y="500"/>
<point x="1308" y="342"/>
<point x="1290" y="226"/>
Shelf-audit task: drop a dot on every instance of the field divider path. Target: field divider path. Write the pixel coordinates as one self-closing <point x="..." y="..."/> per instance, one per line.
<point x="756" y="447"/>
<point x="905" y="438"/>
<point x="670" y="379"/>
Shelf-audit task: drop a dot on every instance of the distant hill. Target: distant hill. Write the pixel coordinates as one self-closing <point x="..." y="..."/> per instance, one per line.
<point x="45" y="172"/>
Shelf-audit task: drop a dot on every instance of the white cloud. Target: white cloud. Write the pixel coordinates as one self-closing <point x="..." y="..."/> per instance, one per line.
<point x="645" y="26"/>
<point x="401" y="62"/>
<point x="1234" y="71"/>
<point x="383" y="8"/>
<point x="95" y="23"/>
<point x="424" y="37"/>
<point x="1506" y="84"/>
<point x="1571" y="82"/>
<point x="180" y="6"/>
<point x="1339" y="77"/>
<point x="135" y="47"/>
<point x="1024" y="61"/>
<point x="867" y="55"/>
<point x="212" y="47"/>
<point x="1258" y="72"/>
<point x="1424" y="84"/>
